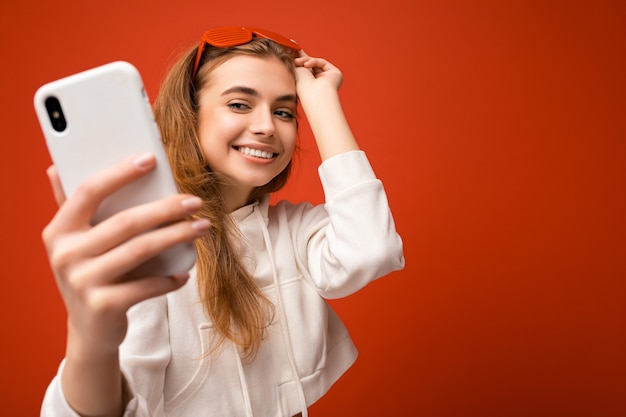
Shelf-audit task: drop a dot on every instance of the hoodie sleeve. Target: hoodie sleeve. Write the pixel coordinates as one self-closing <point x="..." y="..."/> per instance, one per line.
<point x="145" y="351"/>
<point x="357" y="241"/>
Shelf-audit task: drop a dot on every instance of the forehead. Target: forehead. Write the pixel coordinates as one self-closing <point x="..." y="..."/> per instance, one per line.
<point x="251" y="71"/>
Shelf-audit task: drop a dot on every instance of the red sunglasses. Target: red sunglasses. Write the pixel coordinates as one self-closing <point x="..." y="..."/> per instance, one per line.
<point x="237" y="35"/>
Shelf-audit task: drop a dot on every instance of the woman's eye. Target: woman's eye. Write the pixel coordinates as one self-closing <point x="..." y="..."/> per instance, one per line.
<point x="284" y="114"/>
<point x="238" y="106"/>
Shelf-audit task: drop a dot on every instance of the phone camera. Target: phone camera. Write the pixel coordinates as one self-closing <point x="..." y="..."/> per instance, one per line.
<point x="55" y="112"/>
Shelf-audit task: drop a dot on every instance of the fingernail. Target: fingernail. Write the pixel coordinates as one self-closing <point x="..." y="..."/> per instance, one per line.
<point x="201" y="225"/>
<point x="192" y="203"/>
<point x="144" y="161"/>
<point x="183" y="276"/>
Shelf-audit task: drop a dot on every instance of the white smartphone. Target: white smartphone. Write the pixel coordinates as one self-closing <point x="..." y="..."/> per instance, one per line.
<point x="96" y="118"/>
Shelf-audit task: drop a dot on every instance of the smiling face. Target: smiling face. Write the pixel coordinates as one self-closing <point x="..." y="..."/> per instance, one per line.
<point x="246" y="124"/>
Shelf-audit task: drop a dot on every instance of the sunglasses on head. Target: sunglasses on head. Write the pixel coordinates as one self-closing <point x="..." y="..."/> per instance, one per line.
<point x="237" y="35"/>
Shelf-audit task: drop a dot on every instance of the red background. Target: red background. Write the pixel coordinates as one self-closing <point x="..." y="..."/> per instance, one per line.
<point x="499" y="130"/>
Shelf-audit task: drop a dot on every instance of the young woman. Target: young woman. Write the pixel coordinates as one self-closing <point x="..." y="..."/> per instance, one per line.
<point x="247" y="332"/>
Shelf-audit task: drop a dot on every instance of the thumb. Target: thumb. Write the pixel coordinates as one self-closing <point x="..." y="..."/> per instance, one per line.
<point x="55" y="184"/>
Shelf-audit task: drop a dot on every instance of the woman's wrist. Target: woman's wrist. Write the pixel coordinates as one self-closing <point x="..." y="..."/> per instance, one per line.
<point x="328" y="123"/>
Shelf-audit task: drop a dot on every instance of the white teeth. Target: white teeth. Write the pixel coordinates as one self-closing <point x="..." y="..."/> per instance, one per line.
<point x="256" y="152"/>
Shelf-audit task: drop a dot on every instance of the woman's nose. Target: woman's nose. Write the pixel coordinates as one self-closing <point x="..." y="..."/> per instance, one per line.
<point x="262" y="123"/>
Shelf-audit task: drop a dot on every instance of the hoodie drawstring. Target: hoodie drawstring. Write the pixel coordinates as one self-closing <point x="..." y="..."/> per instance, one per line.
<point x="281" y="311"/>
<point x="243" y="383"/>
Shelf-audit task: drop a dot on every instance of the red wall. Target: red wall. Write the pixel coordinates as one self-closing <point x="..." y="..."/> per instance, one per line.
<point x="499" y="129"/>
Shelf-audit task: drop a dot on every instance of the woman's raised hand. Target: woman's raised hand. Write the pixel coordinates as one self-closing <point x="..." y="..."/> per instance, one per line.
<point x="313" y="72"/>
<point x="317" y="85"/>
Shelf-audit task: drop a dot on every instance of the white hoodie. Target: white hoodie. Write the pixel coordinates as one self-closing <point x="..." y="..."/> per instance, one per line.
<point x="299" y="255"/>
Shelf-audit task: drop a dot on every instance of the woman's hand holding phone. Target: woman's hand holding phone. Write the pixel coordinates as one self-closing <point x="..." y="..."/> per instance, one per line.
<point x="91" y="263"/>
<point x="122" y="233"/>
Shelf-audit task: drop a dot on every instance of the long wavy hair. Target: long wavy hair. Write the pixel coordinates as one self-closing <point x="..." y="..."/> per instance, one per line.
<point x="239" y="310"/>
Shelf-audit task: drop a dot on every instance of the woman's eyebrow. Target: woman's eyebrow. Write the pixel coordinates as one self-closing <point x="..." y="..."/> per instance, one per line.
<point x="288" y="97"/>
<point x="241" y="89"/>
<point x="252" y="92"/>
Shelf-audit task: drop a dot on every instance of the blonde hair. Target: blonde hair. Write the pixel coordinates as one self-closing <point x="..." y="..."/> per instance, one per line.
<point x="230" y="296"/>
